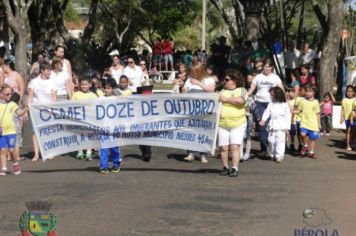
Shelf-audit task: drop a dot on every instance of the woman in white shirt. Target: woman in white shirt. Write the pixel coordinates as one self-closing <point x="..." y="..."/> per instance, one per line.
<point x="41" y="89"/>
<point x="198" y="81"/>
<point x="116" y="69"/>
<point x="263" y="83"/>
<point x="134" y="73"/>
<point x="61" y="79"/>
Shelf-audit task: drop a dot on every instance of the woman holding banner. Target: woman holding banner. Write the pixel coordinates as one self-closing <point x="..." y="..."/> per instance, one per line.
<point x="198" y="82"/>
<point x="232" y="126"/>
<point x="41" y="89"/>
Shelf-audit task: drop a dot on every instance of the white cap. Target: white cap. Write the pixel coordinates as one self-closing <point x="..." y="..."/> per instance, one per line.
<point x="114" y="52"/>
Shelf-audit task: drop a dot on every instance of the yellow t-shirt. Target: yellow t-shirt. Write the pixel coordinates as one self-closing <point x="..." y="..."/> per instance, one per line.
<point x="7" y="112"/>
<point x="233" y="115"/>
<point x="81" y="95"/>
<point x="100" y="92"/>
<point x="297" y="103"/>
<point x="347" y="104"/>
<point x="310" y="110"/>
<point x="291" y="104"/>
<point x="125" y="92"/>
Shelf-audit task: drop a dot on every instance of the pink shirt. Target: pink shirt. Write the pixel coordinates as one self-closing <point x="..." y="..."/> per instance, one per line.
<point x="10" y="80"/>
<point x="305" y="80"/>
<point x="327" y="108"/>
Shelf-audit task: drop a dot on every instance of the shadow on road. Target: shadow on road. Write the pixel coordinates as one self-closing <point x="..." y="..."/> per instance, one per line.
<point x="177" y="157"/>
<point x="95" y="169"/>
<point x="346" y="156"/>
<point x="337" y="143"/>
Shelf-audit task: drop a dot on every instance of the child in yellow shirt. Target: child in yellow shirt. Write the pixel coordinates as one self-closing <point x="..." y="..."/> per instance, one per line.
<point x="310" y="121"/>
<point x="8" y="129"/>
<point x="346" y="109"/>
<point x="86" y="92"/>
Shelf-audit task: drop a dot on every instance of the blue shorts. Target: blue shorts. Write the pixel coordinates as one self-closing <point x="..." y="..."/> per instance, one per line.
<point x="293" y="130"/>
<point x="8" y="141"/>
<point x="313" y="135"/>
<point x="349" y="124"/>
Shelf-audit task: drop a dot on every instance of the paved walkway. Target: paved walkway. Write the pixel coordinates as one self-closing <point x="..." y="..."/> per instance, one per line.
<point x="168" y="196"/>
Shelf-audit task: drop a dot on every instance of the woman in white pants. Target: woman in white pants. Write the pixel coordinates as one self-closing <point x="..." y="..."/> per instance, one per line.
<point x="279" y="116"/>
<point x="232" y="126"/>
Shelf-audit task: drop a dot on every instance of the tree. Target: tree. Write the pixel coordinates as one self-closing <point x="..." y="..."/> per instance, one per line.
<point x="76" y="47"/>
<point x="16" y="13"/>
<point x="331" y="24"/>
<point x="166" y="19"/>
<point x="42" y="26"/>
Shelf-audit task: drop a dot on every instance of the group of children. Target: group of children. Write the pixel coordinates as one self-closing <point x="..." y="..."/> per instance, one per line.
<point x="292" y="115"/>
<point x="108" y="88"/>
<point x="289" y="115"/>
<point x="10" y="129"/>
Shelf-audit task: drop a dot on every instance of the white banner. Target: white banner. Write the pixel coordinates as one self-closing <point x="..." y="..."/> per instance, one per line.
<point x="185" y="121"/>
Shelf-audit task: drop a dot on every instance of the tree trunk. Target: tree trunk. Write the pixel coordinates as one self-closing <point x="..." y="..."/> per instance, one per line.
<point x="331" y="45"/>
<point x="21" y="56"/>
<point x="300" y="26"/>
<point x="16" y="17"/>
<point x="43" y="29"/>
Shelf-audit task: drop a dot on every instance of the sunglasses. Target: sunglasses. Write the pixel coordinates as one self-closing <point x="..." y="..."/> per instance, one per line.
<point x="130" y="62"/>
<point x="142" y="64"/>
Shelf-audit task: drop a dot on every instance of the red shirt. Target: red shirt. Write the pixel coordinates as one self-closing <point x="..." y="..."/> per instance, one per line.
<point x="167" y="47"/>
<point x="157" y="48"/>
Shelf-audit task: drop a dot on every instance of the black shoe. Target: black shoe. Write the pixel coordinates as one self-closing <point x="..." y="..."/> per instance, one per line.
<point x="147" y="157"/>
<point x="292" y="148"/>
<point x="300" y="147"/>
<point x="233" y="173"/>
<point x="224" y="172"/>
<point x="262" y="153"/>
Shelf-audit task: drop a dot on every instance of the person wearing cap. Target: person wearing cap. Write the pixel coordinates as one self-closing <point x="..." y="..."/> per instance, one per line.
<point x="116" y="69"/>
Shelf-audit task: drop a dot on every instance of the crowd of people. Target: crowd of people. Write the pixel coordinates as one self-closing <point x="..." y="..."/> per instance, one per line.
<point x="253" y="97"/>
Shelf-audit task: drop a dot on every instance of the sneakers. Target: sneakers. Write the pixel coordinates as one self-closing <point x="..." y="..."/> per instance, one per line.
<point x="327" y="134"/>
<point x="80" y="155"/>
<point x="279" y="159"/>
<point x="16" y="168"/>
<point x="304" y="151"/>
<point x="116" y="169"/>
<point x="104" y="171"/>
<point x="89" y="156"/>
<point x="203" y="159"/>
<point x="190" y="157"/>
<point x="233" y="173"/>
<point x="312" y="155"/>
<point x="224" y="172"/>
<point x="300" y="147"/>
<point x="3" y="172"/>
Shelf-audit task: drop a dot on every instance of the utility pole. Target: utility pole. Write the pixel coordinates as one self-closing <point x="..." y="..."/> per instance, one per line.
<point x="203" y="26"/>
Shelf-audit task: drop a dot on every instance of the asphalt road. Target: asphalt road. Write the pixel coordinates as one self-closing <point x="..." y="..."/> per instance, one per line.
<point x="168" y="196"/>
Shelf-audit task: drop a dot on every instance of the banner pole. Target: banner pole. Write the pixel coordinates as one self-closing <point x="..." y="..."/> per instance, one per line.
<point x="216" y="128"/>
